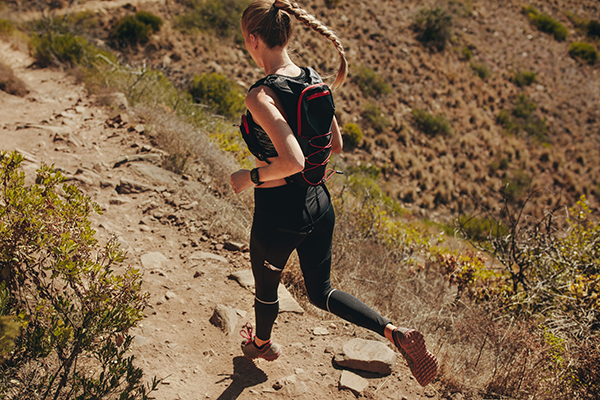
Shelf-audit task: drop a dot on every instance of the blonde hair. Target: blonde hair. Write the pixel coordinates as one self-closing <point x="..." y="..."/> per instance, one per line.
<point x="272" y="23"/>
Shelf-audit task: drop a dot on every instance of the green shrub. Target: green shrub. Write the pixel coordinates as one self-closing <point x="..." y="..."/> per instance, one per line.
<point x="54" y="49"/>
<point x="6" y="28"/>
<point x="481" y="70"/>
<point x="60" y="286"/>
<point x="375" y="117"/>
<point x="584" y="51"/>
<point x="9" y="83"/>
<point x="524" y="78"/>
<point x="521" y="118"/>
<point x="433" y="27"/>
<point x="546" y="24"/>
<point x="332" y="3"/>
<point x="219" y="16"/>
<point x="467" y="53"/>
<point x="129" y="31"/>
<point x="431" y="125"/>
<point x="593" y="29"/>
<point x="371" y="83"/>
<point x="153" y="21"/>
<point x="220" y="93"/>
<point x="352" y="134"/>
<point x="477" y="228"/>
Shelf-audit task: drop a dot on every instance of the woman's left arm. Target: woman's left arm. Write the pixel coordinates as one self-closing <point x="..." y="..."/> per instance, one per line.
<point x="337" y="143"/>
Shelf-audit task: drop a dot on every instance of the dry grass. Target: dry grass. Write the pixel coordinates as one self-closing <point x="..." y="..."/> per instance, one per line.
<point x="203" y="162"/>
<point x="11" y="84"/>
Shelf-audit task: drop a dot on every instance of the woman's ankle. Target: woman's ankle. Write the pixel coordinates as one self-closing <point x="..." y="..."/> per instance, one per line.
<point x="259" y="342"/>
<point x="389" y="332"/>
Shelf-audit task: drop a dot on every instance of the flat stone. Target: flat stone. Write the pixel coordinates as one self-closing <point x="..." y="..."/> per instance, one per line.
<point x="353" y="382"/>
<point x="153" y="261"/>
<point x="366" y="355"/>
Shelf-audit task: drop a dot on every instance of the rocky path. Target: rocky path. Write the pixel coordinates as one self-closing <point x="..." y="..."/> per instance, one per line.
<point x="200" y="285"/>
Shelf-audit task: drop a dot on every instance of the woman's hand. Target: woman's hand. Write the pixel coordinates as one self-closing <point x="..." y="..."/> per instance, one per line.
<point x="240" y="180"/>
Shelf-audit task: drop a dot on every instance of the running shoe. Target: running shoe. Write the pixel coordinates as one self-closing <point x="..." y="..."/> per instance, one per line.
<point x="411" y="345"/>
<point x="269" y="351"/>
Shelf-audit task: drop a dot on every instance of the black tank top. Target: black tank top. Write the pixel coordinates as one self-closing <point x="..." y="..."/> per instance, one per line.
<point x="290" y="89"/>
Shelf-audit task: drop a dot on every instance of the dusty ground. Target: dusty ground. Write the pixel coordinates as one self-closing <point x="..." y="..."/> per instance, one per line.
<point x="58" y="124"/>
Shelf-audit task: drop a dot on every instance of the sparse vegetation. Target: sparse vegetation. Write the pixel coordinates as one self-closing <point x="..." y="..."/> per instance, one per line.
<point x="352" y="134"/>
<point x="481" y="70"/>
<point x="371" y="83"/>
<point x="218" y="92"/>
<point x="431" y="125"/>
<point x="219" y="16"/>
<point x="62" y="289"/>
<point x="433" y="27"/>
<point x="584" y="51"/>
<point x="375" y="117"/>
<point x="546" y="24"/>
<point x="524" y="78"/>
<point x="59" y="49"/>
<point x="522" y="119"/>
<point x="467" y="54"/>
<point x="332" y="3"/>
<point x="593" y="29"/>
<point x="6" y="28"/>
<point x="9" y="83"/>
<point x="135" y="29"/>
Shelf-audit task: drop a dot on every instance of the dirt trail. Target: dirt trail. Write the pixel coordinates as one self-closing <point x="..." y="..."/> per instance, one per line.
<point x="186" y="271"/>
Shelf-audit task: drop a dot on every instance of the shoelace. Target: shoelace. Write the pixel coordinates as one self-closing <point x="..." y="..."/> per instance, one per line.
<point x="246" y="331"/>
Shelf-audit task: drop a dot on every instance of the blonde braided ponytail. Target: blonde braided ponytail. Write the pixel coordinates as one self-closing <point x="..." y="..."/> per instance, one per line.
<point x="312" y="22"/>
<point x="271" y="21"/>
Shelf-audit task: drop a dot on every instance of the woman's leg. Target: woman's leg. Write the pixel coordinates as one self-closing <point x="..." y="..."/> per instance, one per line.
<point x="270" y="249"/>
<point x="315" y="260"/>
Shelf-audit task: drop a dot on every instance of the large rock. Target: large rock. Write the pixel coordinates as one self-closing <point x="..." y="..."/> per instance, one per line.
<point x="224" y="317"/>
<point x="366" y="355"/>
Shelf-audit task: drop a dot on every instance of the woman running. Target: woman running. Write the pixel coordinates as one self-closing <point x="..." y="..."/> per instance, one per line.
<point x="289" y="216"/>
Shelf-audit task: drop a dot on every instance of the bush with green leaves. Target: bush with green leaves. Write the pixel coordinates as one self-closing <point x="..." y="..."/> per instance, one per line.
<point x="371" y="83"/>
<point x="6" y="27"/>
<point x="133" y="29"/>
<point x="524" y="78"/>
<point x="63" y="289"/>
<point x="11" y="84"/>
<point x="546" y="23"/>
<point x="481" y="70"/>
<point x="56" y="49"/>
<point x="593" y="29"/>
<point x="375" y="117"/>
<point x="221" y="94"/>
<point x="433" y="27"/>
<point x="332" y="3"/>
<point x="584" y="51"/>
<point x="522" y="119"/>
<point x="219" y="16"/>
<point x="431" y="125"/>
<point x="352" y="134"/>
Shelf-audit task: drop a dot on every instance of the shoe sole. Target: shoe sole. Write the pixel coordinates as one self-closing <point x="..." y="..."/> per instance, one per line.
<point x="424" y="364"/>
<point x="268" y="358"/>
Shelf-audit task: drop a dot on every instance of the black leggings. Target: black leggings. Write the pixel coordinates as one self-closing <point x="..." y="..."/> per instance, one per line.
<point x="287" y="218"/>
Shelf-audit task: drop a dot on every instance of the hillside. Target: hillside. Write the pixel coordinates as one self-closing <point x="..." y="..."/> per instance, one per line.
<point x="174" y="225"/>
<point x="430" y="175"/>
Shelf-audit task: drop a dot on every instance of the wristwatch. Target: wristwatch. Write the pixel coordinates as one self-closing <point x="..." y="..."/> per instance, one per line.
<point x="254" y="177"/>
